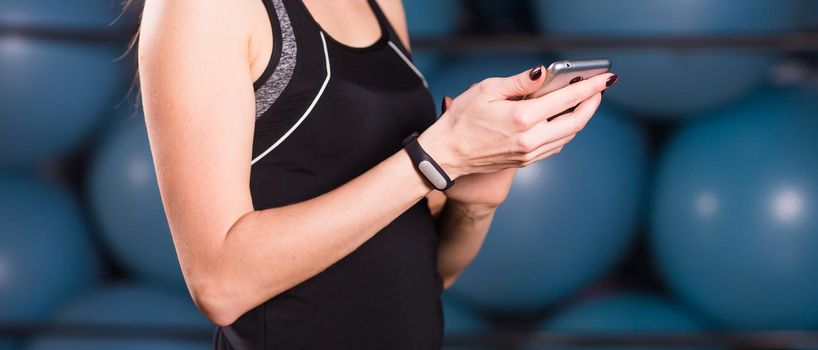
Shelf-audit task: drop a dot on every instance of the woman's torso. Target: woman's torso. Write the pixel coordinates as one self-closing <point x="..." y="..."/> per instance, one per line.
<point x="326" y="113"/>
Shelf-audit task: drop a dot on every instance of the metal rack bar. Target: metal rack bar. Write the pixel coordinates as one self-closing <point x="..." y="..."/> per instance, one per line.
<point x="786" y="41"/>
<point x="730" y="339"/>
<point x="790" y="41"/>
<point x="762" y="339"/>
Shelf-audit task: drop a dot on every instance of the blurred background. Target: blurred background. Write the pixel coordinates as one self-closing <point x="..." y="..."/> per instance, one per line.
<point x="686" y="214"/>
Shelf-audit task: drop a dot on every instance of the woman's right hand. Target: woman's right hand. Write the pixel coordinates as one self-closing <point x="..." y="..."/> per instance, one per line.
<point x="488" y="128"/>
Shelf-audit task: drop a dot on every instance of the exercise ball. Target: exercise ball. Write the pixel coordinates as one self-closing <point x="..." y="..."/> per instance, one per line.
<point x="129" y="306"/>
<point x="565" y="222"/>
<point x="47" y="254"/>
<point x="458" y="72"/>
<point x="432" y="18"/>
<point x="673" y="83"/>
<point x="61" y="15"/>
<point x="629" y="312"/>
<point x="53" y="93"/>
<point x="126" y="204"/>
<point x="460" y="320"/>
<point x="735" y="213"/>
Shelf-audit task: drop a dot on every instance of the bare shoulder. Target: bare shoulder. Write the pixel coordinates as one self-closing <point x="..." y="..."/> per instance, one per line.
<point x="393" y="9"/>
<point x="196" y="22"/>
<point x="180" y="39"/>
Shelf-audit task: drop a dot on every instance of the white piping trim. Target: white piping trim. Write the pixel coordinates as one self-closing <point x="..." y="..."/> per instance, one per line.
<point x="309" y="109"/>
<point x="409" y="63"/>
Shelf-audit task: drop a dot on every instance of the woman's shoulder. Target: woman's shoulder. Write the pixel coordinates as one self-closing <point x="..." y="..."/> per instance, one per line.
<point x="215" y="21"/>
<point x="212" y="28"/>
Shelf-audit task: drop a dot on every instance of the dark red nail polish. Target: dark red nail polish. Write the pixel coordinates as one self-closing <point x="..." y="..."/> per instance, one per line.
<point x="443" y="105"/>
<point x="612" y="80"/>
<point x="536" y="73"/>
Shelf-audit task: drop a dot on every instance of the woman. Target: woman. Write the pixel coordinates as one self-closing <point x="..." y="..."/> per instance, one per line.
<point x="299" y="218"/>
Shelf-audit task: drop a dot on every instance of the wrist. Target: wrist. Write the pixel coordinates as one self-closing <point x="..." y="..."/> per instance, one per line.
<point x="439" y="147"/>
<point x="418" y="181"/>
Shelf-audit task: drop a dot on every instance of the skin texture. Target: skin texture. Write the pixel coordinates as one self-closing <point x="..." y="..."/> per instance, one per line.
<point x="200" y="128"/>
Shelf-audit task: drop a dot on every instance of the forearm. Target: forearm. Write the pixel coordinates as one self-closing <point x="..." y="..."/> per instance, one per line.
<point x="267" y="252"/>
<point x="463" y="229"/>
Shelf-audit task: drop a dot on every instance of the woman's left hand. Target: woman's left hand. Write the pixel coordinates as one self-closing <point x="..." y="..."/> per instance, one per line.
<point x="480" y="190"/>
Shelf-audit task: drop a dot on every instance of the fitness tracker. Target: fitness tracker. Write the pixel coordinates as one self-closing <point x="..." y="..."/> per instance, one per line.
<point x="427" y="166"/>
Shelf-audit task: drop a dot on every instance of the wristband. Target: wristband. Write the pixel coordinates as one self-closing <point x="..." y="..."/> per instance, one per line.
<point x="427" y="166"/>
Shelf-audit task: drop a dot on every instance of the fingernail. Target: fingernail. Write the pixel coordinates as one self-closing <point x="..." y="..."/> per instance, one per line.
<point x="536" y="73"/>
<point x="443" y="105"/>
<point x="612" y="80"/>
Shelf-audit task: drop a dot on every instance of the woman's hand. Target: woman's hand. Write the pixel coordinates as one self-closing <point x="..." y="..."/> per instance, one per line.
<point x="480" y="140"/>
<point x="485" y="133"/>
<point x="479" y="192"/>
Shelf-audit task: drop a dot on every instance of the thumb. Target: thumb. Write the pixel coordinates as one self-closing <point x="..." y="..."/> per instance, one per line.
<point x="447" y="101"/>
<point x="521" y="84"/>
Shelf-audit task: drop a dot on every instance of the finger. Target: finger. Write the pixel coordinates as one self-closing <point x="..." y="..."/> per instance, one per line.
<point x="523" y="164"/>
<point x="531" y="111"/>
<point x="544" y="155"/>
<point x="568" y="124"/>
<point x="517" y="85"/>
<point x="546" y="148"/>
<point x="525" y="157"/>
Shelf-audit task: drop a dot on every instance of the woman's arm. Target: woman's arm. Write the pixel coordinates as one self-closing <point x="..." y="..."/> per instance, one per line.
<point x="463" y="228"/>
<point x="199" y="107"/>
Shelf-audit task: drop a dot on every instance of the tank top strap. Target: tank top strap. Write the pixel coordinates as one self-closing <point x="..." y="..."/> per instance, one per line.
<point x="276" y="30"/>
<point x="386" y="27"/>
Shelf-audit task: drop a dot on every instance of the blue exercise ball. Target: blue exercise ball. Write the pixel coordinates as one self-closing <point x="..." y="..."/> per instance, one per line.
<point x="735" y="213"/>
<point x="456" y="73"/>
<point x="634" y="312"/>
<point x="47" y="254"/>
<point x="125" y="201"/>
<point x="459" y="319"/>
<point x="432" y="18"/>
<point x="673" y="83"/>
<point x="565" y="222"/>
<point x="130" y="306"/>
<point x="53" y="93"/>
<point x="58" y="15"/>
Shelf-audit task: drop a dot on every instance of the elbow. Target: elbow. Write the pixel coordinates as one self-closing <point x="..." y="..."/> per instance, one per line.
<point x="224" y="300"/>
<point x="221" y="317"/>
<point x="214" y="290"/>
<point x="216" y="303"/>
